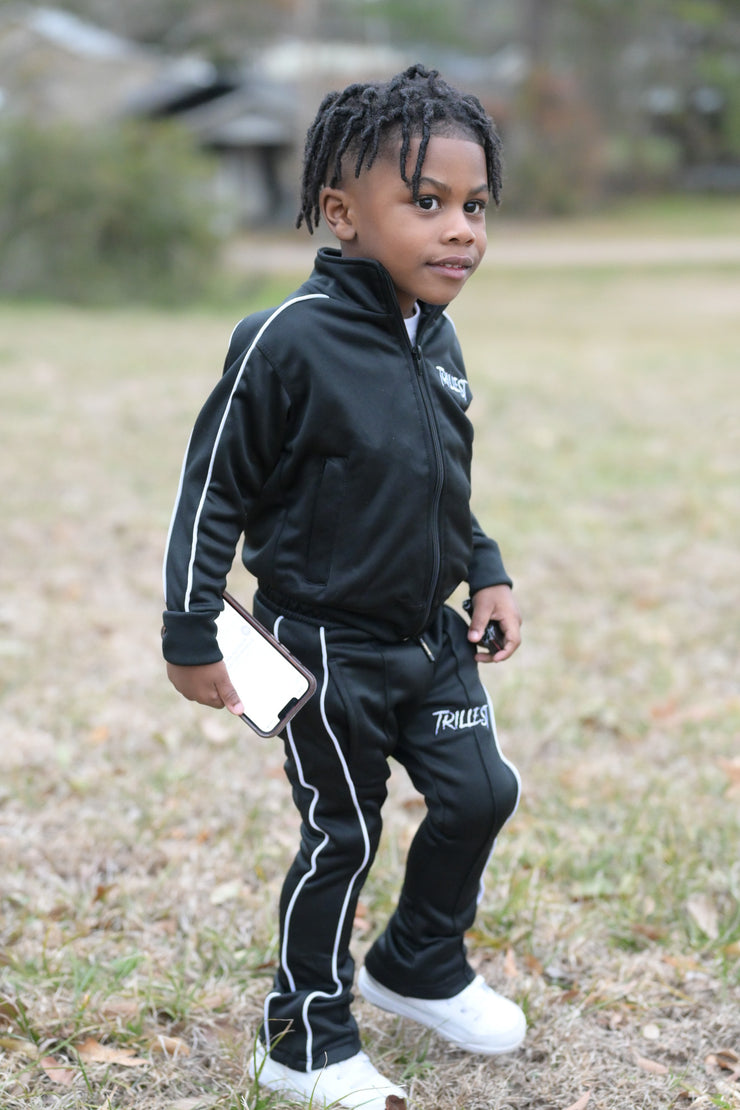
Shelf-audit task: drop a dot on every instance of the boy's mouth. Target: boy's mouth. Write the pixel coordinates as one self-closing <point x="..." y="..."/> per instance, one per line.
<point x="454" y="265"/>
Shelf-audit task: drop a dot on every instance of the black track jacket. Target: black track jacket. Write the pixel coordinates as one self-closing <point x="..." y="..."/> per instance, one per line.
<point x="342" y="453"/>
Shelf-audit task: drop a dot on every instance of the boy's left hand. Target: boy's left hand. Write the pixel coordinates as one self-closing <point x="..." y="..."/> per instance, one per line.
<point x="495" y="603"/>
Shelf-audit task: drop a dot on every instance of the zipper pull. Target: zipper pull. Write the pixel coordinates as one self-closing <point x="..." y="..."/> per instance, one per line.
<point x="425" y="648"/>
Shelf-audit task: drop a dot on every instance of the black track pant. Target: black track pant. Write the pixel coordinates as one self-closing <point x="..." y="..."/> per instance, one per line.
<point x="375" y="700"/>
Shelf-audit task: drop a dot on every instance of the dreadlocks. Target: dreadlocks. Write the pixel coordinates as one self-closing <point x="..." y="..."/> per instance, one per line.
<point x="362" y="120"/>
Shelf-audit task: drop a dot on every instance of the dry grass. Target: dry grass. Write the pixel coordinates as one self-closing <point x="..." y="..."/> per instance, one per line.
<point x="144" y="840"/>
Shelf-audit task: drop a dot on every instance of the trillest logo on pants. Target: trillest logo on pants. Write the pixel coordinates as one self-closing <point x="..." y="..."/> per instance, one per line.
<point x="455" y="720"/>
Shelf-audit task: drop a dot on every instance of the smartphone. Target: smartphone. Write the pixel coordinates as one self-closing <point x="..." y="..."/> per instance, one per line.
<point x="493" y="638"/>
<point x="271" y="683"/>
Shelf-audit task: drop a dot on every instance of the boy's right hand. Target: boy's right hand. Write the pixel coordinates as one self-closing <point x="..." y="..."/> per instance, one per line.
<point x="208" y="684"/>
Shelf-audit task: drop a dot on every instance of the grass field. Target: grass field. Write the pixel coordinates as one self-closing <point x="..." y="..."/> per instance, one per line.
<point x="144" y="839"/>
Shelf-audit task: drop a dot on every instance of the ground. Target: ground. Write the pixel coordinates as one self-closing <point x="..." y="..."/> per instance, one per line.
<point x="144" y="839"/>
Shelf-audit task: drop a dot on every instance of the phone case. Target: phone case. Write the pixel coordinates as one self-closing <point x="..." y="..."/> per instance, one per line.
<point x="271" y="683"/>
<point x="494" y="637"/>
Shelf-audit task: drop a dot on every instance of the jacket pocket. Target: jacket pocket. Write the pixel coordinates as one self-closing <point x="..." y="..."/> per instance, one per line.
<point x="326" y="518"/>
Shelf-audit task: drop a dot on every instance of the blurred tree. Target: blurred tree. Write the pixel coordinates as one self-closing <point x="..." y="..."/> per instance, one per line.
<point x="660" y="80"/>
<point x="652" y="86"/>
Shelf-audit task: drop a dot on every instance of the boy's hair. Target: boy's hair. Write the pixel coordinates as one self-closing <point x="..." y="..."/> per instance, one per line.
<point x="362" y="120"/>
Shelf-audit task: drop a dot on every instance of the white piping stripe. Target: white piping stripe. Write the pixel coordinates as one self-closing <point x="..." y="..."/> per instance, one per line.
<point x="266" y="1019"/>
<point x="224" y="418"/>
<point x="314" y="858"/>
<point x="512" y="768"/>
<point x="172" y="518"/>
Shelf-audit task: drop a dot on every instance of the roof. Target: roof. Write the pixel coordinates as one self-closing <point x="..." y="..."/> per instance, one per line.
<point x="243" y="117"/>
<point x="76" y="35"/>
<point x="55" y="66"/>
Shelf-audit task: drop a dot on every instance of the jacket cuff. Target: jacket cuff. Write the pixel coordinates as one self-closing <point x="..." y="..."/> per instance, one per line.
<point x="189" y="639"/>
<point x="487" y="568"/>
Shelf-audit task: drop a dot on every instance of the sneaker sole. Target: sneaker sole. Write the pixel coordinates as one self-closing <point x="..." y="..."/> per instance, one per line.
<point x="270" y="1075"/>
<point x="272" y="1078"/>
<point x="394" y="1003"/>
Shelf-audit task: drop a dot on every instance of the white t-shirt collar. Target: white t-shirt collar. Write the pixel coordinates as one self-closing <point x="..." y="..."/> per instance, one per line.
<point x="412" y="323"/>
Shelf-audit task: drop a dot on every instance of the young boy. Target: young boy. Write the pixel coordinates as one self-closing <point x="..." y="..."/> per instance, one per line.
<point x="337" y="443"/>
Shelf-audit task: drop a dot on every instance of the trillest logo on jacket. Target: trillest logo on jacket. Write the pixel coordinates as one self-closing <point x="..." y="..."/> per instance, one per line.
<point x="455" y="720"/>
<point x="455" y="385"/>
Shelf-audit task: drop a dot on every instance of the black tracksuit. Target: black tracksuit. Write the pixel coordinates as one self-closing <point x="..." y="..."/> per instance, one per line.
<point x="342" y="454"/>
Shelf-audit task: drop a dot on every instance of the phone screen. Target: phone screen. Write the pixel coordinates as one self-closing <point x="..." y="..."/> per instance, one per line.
<point x="267" y="682"/>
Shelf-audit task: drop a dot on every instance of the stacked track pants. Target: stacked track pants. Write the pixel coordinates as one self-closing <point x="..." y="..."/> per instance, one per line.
<point x="420" y="702"/>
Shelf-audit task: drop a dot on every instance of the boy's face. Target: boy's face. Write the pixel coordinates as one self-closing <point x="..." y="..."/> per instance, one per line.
<point x="430" y="246"/>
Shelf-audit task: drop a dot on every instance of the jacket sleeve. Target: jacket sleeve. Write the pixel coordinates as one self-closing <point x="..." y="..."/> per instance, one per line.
<point x="486" y="565"/>
<point x="233" y="449"/>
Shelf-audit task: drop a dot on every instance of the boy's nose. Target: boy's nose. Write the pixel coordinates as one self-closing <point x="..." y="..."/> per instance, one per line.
<point x="460" y="230"/>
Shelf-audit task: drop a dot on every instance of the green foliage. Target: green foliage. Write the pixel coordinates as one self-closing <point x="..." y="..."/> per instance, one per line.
<point x="99" y="216"/>
<point x="401" y="22"/>
<point x="722" y="72"/>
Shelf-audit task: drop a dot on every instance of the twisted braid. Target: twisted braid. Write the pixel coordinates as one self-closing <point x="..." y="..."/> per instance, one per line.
<point x="363" y="119"/>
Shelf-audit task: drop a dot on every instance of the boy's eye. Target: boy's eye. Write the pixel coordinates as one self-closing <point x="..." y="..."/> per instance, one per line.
<point x="475" y="207"/>
<point x="428" y="204"/>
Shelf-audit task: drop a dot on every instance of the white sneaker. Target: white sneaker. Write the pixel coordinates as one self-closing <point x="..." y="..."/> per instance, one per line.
<point x="477" y="1019"/>
<point x="352" y="1083"/>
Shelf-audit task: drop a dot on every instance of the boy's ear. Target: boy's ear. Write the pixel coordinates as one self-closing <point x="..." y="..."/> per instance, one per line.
<point x="335" y="209"/>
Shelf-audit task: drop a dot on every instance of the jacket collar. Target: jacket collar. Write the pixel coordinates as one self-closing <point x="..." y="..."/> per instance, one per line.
<point x="367" y="283"/>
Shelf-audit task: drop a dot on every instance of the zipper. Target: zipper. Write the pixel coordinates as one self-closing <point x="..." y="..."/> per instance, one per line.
<point x="426" y="649"/>
<point x="439" y="479"/>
